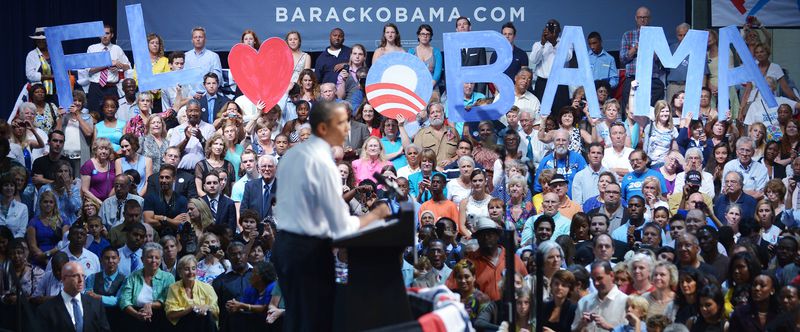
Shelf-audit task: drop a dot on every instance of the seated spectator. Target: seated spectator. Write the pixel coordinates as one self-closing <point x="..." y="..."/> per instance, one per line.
<point x="608" y="298"/>
<point x="16" y="213"/>
<point x="28" y="276"/>
<point x="154" y="141"/>
<point x="212" y="259"/>
<point x="112" y="209"/>
<point x="50" y="285"/>
<point x="66" y="190"/>
<point x="632" y="182"/>
<point x="191" y="304"/>
<point x="95" y="228"/>
<point x="45" y="229"/>
<point x="144" y="293"/>
<point x="97" y="174"/>
<point x="713" y="317"/>
<point x="184" y="183"/>
<point x="171" y="247"/>
<point x="372" y="160"/>
<point x="190" y="137"/>
<point x="131" y="159"/>
<point x="231" y="285"/>
<point x="76" y="249"/>
<point x="439" y="205"/>
<point x="165" y="209"/>
<point x="564" y="160"/>
<point x="665" y="279"/>
<point x="248" y="310"/>
<point x="44" y="166"/>
<point x="561" y="286"/>
<point x="464" y="274"/>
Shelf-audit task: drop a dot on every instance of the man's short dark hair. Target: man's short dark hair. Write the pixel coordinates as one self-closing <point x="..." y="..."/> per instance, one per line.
<point x="135" y="226"/>
<point x="321" y="112"/>
<point x="543" y="219"/>
<point x="440" y="175"/>
<point x="176" y="55"/>
<point x="606" y="265"/>
<point x="596" y="145"/>
<point x="464" y="18"/>
<point x="109" y="248"/>
<point x="511" y="26"/>
<point x="464" y="140"/>
<point x="169" y="168"/>
<point x="597" y="238"/>
<point x="595" y="34"/>
<point x="132" y="204"/>
<point x="54" y="132"/>
<point x="210" y="75"/>
<point x="598" y="214"/>
<point x="210" y="173"/>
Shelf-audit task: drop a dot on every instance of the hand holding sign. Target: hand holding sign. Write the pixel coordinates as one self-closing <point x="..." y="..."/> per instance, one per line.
<point x="262" y="75"/>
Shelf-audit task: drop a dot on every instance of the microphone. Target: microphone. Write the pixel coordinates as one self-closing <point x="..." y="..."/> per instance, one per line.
<point x="391" y="184"/>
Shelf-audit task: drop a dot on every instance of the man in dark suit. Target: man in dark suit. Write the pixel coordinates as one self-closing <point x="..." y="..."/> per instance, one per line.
<point x="184" y="182"/>
<point x="222" y="207"/>
<point x="471" y="56"/>
<point x="259" y="195"/>
<point x="70" y="311"/>
<point x="211" y="102"/>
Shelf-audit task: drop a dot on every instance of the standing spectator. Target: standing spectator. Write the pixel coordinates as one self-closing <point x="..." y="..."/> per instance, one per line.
<point x="694" y="162"/>
<point x="110" y="128"/>
<point x="566" y="162"/>
<point x="429" y="55"/>
<point x="97" y="174"/>
<point x="676" y="78"/>
<point x="201" y="57"/>
<point x="128" y="103"/>
<point x="37" y="64"/>
<point x="213" y="161"/>
<point x="103" y="80"/>
<point x="394" y="142"/>
<point x="541" y="60"/>
<point x="390" y="42"/>
<point x="136" y="123"/>
<point x="301" y="59"/>
<point x="372" y="160"/>
<point x="78" y="128"/>
<point x="660" y="134"/>
<point x="27" y="134"/>
<point x="519" y="58"/>
<point x="439" y="204"/>
<point x="131" y="159"/>
<point x="629" y="51"/>
<point x="632" y="182"/>
<point x="604" y="67"/>
<point x="259" y="195"/>
<point x="190" y="137"/>
<point x="232" y="284"/>
<point x="87" y="313"/>
<point x="13" y="214"/>
<point x="333" y="58"/>
<point x="175" y="98"/>
<point x="585" y="182"/>
<point x="471" y="56"/>
<point x="154" y="141"/>
<point x="211" y="101"/>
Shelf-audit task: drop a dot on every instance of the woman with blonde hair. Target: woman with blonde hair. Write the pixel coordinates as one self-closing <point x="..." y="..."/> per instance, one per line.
<point x="372" y="159"/>
<point x="309" y="85"/>
<point x="191" y="304"/>
<point x="153" y="144"/>
<point x="215" y="160"/>
<point x="665" y="281"/>
<point x="660" y="134"/>
<point x="97" y="174"/>
<point x="211" y="258"/>
<point x="302" y="61"/>
<point x="653" y="197"/>
<point x="136" y="124"/>
<point x="758" y="132"/>
<point x="200" y="217"/>
<point x="19" y="137"/>
<point x="45" y="229"/>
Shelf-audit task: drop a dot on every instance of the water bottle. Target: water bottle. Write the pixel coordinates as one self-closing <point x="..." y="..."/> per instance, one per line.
<point x="85" y="114"/>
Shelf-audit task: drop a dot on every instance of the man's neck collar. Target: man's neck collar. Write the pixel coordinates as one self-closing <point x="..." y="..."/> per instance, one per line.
<point x="72" y="251"/>
<point x="734" y="196"/>
<point x="200" y="50"/>
<point x="612" y="208"/>
<point x="53" y="156"/>
<point x="596" y="168"/>
<point x="108" y="274"/>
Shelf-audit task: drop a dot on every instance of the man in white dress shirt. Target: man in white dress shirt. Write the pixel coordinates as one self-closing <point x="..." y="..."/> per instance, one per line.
<point x="755" y="173"/>
<point x="603" y="309"/>
<point x="103" y="80"/>
<point x="541" y="59"/>
<point x="310" y="213"/>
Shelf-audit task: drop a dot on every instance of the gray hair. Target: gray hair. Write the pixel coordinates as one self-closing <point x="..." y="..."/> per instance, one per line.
<point x="26" y="106"/>
<point x="694" y="151"/>
<point x="524" y="70"/>
<point x="235" y="244"/>
<point x="269" y="157"/>
<point x="641" y="258"/>
<point x="435" y="103"/>
<point x="516" y="163"/>
<point x="676" y="327"/>
<point x="466" y="159"/>
<point x="683" y="26"/>
<point x="734" y="206"/>
<point x="548" y="245"/>
<point x="193" y="102"/>
<point x="746" y="140"/>
<point x="517" y="179"/>
<point x="413" y="146"/>
<point x="185" y="260"/>
<point x="150" y="246"/>
<point x="165" y="238"/>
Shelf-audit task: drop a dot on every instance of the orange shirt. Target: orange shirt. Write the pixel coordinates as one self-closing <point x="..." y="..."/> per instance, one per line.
<point x="487" y="275"/>
<point x="444" y="208"/>
<point x="569" y="209"/>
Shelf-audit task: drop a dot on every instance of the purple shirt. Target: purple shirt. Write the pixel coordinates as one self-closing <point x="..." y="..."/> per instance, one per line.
<point x="101" y="183"/>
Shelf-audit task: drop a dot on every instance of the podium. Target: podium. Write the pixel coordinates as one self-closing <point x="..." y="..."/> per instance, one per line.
<point x="375" y="295"/>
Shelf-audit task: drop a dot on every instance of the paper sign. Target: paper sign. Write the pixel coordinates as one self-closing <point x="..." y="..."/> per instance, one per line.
<point x="457" y="75"/>
<point x="571" y="38"/>
<point x="141" y="57"/>
<point x="265" y="74"/>
<point x="399" y="84"/>
<point x="653" y="42"/>
<point x="747" y="72"/>
<point x="61" y="63"/>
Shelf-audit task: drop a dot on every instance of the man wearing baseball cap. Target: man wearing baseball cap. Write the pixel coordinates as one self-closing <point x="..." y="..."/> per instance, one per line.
<point x="489" y="259"/>
<point x="677" y="201"/>
<point x="566" y="207"/>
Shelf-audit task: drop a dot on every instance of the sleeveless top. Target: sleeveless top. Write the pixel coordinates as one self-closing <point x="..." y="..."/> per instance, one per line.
<point x="476" y="208"/>
<point x="139" y="166"/>
<point x="113" y="134"/>
<point x="575" y="140"/>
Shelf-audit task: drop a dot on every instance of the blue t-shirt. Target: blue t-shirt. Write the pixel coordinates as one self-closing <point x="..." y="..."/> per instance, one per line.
<point x="390" y="147"/>
<point x="567" y="167"/>
<point x="632" y="183"/>
<point x="251" y="296"/>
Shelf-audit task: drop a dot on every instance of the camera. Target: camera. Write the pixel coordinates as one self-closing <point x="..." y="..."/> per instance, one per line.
<point x="796" y="178"/>
<point x="551" y="27"/>
<point x="582" y="103"/>
<point x="213" y="249"/>
<point x="346" y="68"/>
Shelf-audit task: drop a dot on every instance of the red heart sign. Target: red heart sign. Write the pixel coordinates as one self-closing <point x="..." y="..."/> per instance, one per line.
<point x="264" y="74"/>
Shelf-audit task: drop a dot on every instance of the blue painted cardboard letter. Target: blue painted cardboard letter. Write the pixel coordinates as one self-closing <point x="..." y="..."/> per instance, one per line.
<point x="571" y="38"/>
<point x="653" y="42"/>
<point x="141" y="56"/>
<point x="747" y="72"/>
<point x="458" y="75"/>
<point x="61" y="63"/>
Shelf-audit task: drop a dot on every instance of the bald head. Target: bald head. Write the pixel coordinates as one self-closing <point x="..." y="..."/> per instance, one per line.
<point x="642" y="16"/>
<point x="72" y="277"/>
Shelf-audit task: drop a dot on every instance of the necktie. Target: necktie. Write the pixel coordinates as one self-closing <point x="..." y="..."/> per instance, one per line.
<point x="106" y="283"/>
<point x="214" y="207"/>
<point x="120" y="206"/>
<point x="104" y="73"/>
<point x="134" y="262"/>
<point x="78" y="313"/>
<point x="211" y="102"/>
<point x="529" y="154"/>
<point x="265" y="204"/>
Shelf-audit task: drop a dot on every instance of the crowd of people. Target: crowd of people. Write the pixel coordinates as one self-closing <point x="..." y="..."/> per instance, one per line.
<point x="159" y="205"/>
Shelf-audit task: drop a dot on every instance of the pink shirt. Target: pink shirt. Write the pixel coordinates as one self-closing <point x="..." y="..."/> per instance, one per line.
<point x="364" y="168"/>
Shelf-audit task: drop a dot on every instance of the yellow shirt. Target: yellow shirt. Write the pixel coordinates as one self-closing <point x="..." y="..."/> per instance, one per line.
<point x="202" y="294"/>
<point x="161" y="66"/>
